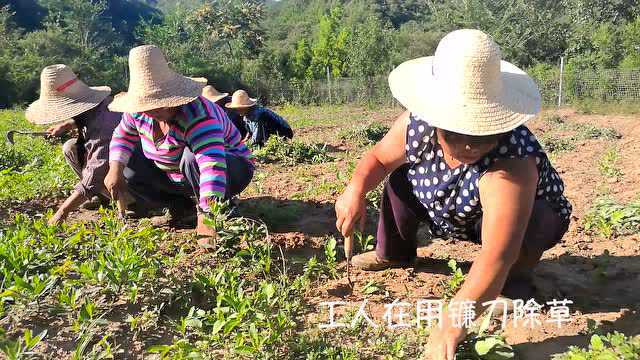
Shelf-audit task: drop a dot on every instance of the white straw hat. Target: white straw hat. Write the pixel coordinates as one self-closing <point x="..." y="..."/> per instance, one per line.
<point x="213" y="94"/>
<point x="153" y="84"/>
<point x="63" y="96"/>
<point x="240" y="100"/>
<point x="466" y="88"/>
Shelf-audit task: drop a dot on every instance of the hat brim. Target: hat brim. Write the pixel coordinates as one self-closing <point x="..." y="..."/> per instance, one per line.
<point x="414" y="85"/>
<point x="231" y="105"/>
<point x="179" y="92"/>
<point x="54" y="110"/>
<point x="216" y="98"/>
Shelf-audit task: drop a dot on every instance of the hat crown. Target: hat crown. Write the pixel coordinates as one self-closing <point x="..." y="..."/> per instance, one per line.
<point x="59" y="80"/>
<point x="469" y="61"/>
<point x="241" y="97"/>
<point x="148" y="69"/>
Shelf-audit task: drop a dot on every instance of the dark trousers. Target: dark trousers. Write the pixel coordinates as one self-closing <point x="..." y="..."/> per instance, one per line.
<point x="152" y="187"/>
<point x="401" y="214"/>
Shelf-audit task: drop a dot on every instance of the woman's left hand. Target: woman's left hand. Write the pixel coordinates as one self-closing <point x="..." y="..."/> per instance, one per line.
<point x="59" y="217"/>
<point x="444" y="340"/>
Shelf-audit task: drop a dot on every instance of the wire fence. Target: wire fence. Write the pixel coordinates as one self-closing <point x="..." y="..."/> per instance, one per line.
<point x="600" y="86"/>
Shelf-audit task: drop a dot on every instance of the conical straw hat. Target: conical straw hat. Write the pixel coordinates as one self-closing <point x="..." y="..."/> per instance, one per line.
<point x="466" y="88"/>
<point x="241" y="99"/>
<point x="153" y="84"/>
<point x="63" y="96"/>
<point x="213" y="94"/>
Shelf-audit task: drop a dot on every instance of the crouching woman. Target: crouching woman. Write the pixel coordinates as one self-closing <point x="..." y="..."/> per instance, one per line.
<point x="461" y="162"/>
<point x="172" y="143"/>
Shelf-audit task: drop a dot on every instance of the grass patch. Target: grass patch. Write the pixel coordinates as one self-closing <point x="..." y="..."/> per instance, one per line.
<point x="32" y="168"/>
<point x="607" y="165"/>
<point x="556" y="144"/>
<point x="607" y="108"/>
<point x="611" y="219"/>
<point x="290" y="153"/>
<point x="364" y="135"/>
<point x="610" y="346"/>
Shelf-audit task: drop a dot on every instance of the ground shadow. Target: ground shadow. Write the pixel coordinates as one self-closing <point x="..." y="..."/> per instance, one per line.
<point x="595" y="284"/>
<point x="283" y="215"/>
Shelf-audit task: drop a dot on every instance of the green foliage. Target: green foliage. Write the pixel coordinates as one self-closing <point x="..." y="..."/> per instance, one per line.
<point x="485" y="347"/>
<point x="373" y="287"/>
<point x="22" y="347"/>
<point x="611" y="219"/>
<point x="365" y="134"/>
<point x="452" y="285"/>
<point x="290" y="153"/>
<point x="611" y="346"/>
<point x="607" y="165"/>
<point x="331" y="256"/>
<point x="330" y="49"/>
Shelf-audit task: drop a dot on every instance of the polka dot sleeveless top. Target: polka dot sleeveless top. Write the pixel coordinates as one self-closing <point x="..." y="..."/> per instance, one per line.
<point x="452" y="196"/>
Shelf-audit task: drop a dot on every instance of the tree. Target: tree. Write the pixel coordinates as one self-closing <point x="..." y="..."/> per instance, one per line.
<point x="234" y="23"/>
<point x="369" y="49"/>
<point x="329" y="51"/>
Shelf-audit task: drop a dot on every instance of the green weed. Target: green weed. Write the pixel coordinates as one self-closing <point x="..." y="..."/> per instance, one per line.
<point x="373" y="287"/>
<point x="611" y="346"/>
<point x="555" y="145"/>
<point x="290" y="153"/>
<point x="607" y="164"/>
<point x="610" y="219"/>
<point x="22" y="347"/>
<point x="452" y="285"/>
<point x="364" y="135"/>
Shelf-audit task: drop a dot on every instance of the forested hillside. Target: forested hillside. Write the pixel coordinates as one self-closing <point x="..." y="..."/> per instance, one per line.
<point x="235" y="42"/>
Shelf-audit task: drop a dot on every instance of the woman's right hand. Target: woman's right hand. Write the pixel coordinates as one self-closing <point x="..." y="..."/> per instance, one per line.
<point x="61" y="129"/>
<point x="351" y="209"/>
<point x="115" y="181"/>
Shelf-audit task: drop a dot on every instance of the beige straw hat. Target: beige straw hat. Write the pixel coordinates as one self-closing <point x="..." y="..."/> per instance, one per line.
<point x="63" y="96"/>
<point x="466" y="88"/>
<point x="241" y="99"/>
<point x="213" y="94"/>
<point x="153" y="84"/>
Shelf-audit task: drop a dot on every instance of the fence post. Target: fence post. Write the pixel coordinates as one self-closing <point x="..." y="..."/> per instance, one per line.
<point x="329" y="85"/>
<point x="561" y="80"/>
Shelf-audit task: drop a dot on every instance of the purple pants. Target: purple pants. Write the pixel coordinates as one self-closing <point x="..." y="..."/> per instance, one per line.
<point x="401" y="214"/>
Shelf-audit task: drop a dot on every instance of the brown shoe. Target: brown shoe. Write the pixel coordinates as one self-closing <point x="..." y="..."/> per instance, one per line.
<point x="369" y="261"/>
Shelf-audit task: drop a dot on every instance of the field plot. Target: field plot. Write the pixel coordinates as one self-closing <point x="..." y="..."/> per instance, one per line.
<point x="101" y="288"/>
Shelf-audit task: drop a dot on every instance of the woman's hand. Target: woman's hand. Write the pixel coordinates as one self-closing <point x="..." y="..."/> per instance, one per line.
<point x="115" y="181"/>
<point x="444" y="340"/>
<point x="58" y="218"/>
<point x="60" y="129"/>
<point x="350" y="209"/>
<point x="206" y="235"/>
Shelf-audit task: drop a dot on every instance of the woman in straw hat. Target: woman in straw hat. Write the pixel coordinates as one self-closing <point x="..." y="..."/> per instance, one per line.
<point x="260" y="122"/>
<point x="70" y="104"/>
<point x="461" y="161"/>
<point x="222" y="99"/>
<point x="174" y="141"/>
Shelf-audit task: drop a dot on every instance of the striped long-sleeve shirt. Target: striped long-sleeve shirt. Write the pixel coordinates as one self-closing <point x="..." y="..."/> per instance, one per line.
<point x="203" y="127"/>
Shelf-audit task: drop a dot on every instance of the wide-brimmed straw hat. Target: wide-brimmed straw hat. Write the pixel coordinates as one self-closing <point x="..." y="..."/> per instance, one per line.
<point x="213" y="94"/>
<point x="63" y="96"/>
<point x="153" y="85"/>
<point x="466" y="87"/>
<point x="240" y="100"/>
